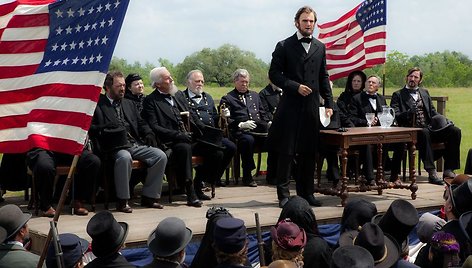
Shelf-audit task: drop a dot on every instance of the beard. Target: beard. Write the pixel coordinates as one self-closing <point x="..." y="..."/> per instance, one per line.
<point x="173" y="89"/>
<point x="197" y="90"/>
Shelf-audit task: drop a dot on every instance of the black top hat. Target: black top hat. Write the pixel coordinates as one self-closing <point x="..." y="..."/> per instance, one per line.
<point x="356" y="213"/>
<point x="465" y="222"/>
<point x="107" y="234"/>
<point x="229" y="235"/>
<point x="261" y="129"/>
<point x="12" y="219"/>
<point x="169" y="238"/>
<point x="3" y="234"/>
<point x="114" y="139"/>
<point x="212" y="136"/>
<point x="439" y="122"/>
<point x="399" y="220"/>
<point x="458" y="228"/>
<point x="352" y="256"/>
<point x="382" y="247"/>
<point x="73" y="247"/>
<point x="461" y="197"/>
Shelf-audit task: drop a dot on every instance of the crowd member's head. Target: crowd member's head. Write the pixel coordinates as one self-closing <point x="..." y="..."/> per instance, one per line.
<point x="454" y="182"/>
<point x="414" y="78"/>
<point x="195" y="81"/>
<point x="352" y="256"/>
<point x="459" y="200"/>
<point x="399" y="220"/>
<point x="108" y="235"/>
<point x="305" y="20"/>
<point x="427" y="225"/>
<point x="169" y="239"/>
<point x="355" y="82"/>
<point x="381" y="246"/>
<point x="15" y="223"/>
<point x="300" y="212"/>
<point x="230" y="241"/>
<point x="73" y="249"/>
<point x="282" y="264"/>
<point x="356" y="213"/>
<point x="162" y="80"/>
<point x="444" y="250"/>
<point x="373" y="84"/>
<point x="115" y="85"/>
<point x="288" y="242"/>
<point x="134" y="83"/>
<point x="241" y="79"/>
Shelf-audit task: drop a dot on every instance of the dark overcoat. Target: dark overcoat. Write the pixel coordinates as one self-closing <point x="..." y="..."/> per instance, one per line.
<point x="404" y="106"/>
<point x="360" y="105"/>
<point x="295" y="128"/>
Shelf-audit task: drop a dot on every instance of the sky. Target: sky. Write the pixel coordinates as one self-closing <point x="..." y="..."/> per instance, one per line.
<point x="175" y="29"/>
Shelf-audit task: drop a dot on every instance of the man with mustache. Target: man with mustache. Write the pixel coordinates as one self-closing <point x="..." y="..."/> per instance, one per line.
<point x="162" y="110"/>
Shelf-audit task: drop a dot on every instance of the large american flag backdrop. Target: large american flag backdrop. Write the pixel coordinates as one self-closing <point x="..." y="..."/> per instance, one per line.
<point x="54" y="56"/>
<point x="357" y="40"/>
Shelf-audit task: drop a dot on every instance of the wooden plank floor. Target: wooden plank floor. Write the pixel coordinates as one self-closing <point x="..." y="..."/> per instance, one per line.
<point x="241" y="201"/>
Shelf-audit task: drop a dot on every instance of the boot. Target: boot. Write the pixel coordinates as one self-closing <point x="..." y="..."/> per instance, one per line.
<point x="198" y="185"/>
<point x="150" y="202"/>
<point x="122" y="206"/>
<point x="79" y="208"/>
<point x="192" y="199"/>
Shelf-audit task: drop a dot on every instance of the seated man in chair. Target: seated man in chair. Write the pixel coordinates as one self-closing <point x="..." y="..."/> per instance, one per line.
<point x="414" y="107"/>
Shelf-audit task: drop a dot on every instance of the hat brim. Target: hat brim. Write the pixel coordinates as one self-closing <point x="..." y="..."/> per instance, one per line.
<point x="393" y="251"/>
<point x="449" y="123"/>
<point x="23" y="220"/>
<point x="261" y="134"/>
<point x="104" y="248"/>
<point x="211" y="144"/>
<point x="164" y="251"/>
<point x="3" y="234"/>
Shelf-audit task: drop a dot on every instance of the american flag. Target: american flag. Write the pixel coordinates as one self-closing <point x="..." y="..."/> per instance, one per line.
<point x="356" y="40"/>
<point x="54" y="56"/>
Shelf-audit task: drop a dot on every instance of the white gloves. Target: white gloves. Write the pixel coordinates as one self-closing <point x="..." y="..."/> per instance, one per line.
<point x="247" y="125"/>
<point x="226" y="112"/>
<point x="269" y="124"/>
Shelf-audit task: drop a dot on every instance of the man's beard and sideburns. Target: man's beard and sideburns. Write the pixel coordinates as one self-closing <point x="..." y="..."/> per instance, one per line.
<point x="173" y="89"/>
<point x="197" y="90"/>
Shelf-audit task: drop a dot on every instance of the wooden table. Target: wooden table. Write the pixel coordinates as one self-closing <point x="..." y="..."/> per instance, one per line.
<point x="365" y="136"/>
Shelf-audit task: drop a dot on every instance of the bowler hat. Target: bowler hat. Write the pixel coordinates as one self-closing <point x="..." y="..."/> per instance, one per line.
<point x="356" y="213"/>
<point x="107" y="234"/>
<point x="3" y="234"/>
<point x="399" y="220"/>
<point x="131" y="78"/>
<point x="170" y="237"/>
<point x="12" y="219"/>
<point x="439" y="122"/>
<point x="212" y="136"/>
<point x="73" y="247"/>
<point x="381" y="246"/>
<point x="230" y="235"/>
<point x="288" y="235"/>
<point x="461" y="197"/>
<point x="352" y="256"/>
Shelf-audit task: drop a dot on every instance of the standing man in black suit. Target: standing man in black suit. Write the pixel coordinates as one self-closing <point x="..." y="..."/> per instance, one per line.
<point x="135" y="141"/>
<point x="414" y="108"/>
<point x="299" y="67"/>
<point x="162" y="110"/>
<point x="202" y="106"/>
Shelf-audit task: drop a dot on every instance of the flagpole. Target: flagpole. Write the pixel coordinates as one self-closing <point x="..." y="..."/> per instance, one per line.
<point x="65" y="190"/>
<point x="383" y="79"/>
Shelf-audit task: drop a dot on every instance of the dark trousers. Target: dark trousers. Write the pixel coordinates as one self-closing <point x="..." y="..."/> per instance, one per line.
<point x="303" y="174"/>
<point x="246" y="150"/>
<point x="451" y="136"/>
<point x="212" y="163"/>
<point x="181" y="160"/>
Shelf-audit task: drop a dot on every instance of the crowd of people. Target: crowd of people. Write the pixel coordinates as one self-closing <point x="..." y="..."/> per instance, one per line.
<point x="165" y="128"/>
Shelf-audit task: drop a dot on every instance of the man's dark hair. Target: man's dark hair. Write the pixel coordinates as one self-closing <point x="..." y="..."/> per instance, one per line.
<point x="110" y="77"/>
<point x="415" y="69"/>
<point x="304" y="9"/>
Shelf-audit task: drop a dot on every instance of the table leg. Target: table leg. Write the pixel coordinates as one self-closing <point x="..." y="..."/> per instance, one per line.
<point x="413" y="186"/>
<point x="379" y="176"/>
<point x="344" y="192"/>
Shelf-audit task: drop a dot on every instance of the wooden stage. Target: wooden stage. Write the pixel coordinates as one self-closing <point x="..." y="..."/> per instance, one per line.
<point x="241" y="201"/>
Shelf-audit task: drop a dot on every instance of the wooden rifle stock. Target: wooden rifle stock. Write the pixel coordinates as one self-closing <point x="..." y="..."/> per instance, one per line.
<point x="260" y="242"/>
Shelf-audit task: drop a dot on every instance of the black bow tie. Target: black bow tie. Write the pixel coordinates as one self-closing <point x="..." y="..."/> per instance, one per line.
<point x="116" y="103"/>
<point x="305" y="40"/>
<point x="167" y="96"/>
<point x="197" y="97"/>
<point x="374" y="97"/>
<point x="413" y="91"/>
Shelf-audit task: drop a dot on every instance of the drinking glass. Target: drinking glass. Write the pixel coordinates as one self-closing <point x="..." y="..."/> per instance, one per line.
<point x="370" y="118"/>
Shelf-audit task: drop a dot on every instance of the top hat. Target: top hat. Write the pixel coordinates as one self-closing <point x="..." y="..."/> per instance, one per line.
<point x="212" y="136"/>
<point x="131" y="78"/>
<point x="3" y="234"/>
<point x="399" y="220"/>
<point x="427" y="225"/>
<point x="107" y="234"/>
<point x="170" y="237"/>
<point x="382" y="247"/>
<point x="439" y="122"/>
<point x="262" y="129"/>
<point x="465" y="223"/>
<point x="73" y="247"/>
<point x="461" y="197"/>
<point x="12" y="219"/>
<point x="288" y="235"/>
<point x="352" y="256"/>
<point x="356" y="213"/>
<point x="114" y="139"/>
<point x="230" y="235"/>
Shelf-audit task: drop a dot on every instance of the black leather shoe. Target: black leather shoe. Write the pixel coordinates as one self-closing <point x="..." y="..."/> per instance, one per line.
<point x="283" y="202"/>
<point x="194" y="203"/>
<point x="434" y="179"/>
<point x="201" y="195"/>
<point x="122" y="206"/>
<point x="148" y="202"/>
<point x="250" y="183"/>
<point x="312" y="201"/>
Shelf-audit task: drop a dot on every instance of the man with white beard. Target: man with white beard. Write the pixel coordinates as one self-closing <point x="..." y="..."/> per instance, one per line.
<point x="162" y="110"/>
